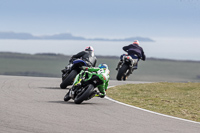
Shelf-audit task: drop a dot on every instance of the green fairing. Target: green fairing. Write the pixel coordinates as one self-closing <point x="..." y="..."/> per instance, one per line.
<point x="102" y="73"/>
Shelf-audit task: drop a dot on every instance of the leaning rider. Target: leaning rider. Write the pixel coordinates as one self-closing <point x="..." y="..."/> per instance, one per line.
<point x="102" y="72"/>
<point x="136" y="52"/>
<point x="87" y="55"/>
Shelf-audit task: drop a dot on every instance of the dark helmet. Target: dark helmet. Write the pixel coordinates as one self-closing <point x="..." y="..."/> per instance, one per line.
<point x="89" y="48"/>
<point x="103" y="66"/>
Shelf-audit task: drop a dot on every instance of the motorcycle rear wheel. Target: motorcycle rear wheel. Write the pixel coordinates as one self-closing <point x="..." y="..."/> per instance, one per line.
<point x="85" y="95"/>
<point x="122" y="72"/>
<point x="69" y="79"/>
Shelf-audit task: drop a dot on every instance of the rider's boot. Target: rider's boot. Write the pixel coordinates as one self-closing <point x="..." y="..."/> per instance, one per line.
<point x="101" y="95"/>
<point x="64" y="71"/>
<point x="130" y="71"/>
<point x="135" y="66"/>
<point x="120" y="62"/>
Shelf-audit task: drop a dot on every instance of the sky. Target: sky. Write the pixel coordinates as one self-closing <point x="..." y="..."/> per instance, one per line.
<point x="102" y="18"/>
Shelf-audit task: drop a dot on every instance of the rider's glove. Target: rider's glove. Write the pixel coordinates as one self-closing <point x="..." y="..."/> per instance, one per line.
<point x="85" y="68"/>
<point x="71" y="60"/>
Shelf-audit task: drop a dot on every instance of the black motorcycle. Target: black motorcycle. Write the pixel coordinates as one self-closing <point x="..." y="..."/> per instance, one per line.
<point x="86" y="90"/>
<point x="71" y="71"/>
<point x="124" y="68"/>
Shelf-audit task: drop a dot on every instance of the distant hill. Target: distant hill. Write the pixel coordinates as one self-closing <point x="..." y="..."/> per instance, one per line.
<point x="62" y="36"/>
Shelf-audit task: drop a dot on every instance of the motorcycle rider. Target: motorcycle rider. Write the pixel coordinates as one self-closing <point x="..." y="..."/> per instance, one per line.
<point x="102" y="72"/>
<point x="87" y="55"/>
<point x="136" y="52"/>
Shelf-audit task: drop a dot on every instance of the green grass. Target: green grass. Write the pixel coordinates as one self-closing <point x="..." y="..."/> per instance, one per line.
<point x="32" y="65"/>
<point x="160" y="70"/>
<point x="169" y="70"/>
<point x="50" y="65"/>
<point x="176" y="99"/>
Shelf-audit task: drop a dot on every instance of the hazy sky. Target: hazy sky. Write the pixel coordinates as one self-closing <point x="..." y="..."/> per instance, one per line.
<point x="102" y="18"/>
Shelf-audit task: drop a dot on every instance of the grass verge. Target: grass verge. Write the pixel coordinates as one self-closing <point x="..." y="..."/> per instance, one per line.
<point x="176" y="99"/>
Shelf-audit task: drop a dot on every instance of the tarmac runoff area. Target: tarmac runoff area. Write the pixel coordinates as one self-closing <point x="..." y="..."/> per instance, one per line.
<point x="35" y="105"/>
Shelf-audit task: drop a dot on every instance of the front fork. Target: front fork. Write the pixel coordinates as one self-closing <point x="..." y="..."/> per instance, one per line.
<point x="77" y="81"/>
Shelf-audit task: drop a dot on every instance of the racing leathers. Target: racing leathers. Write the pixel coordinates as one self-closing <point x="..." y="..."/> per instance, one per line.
<point x="87" y="56"/>
<point x="136" y="52"/>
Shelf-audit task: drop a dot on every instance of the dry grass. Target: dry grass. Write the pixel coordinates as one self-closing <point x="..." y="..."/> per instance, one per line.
<point x="175" y="99"/>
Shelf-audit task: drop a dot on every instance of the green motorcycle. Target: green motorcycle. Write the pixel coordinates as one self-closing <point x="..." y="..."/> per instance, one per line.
<point x="85" y="83"/>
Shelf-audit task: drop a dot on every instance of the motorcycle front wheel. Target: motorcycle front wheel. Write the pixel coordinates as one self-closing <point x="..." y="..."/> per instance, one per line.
<point x="84" y="95"/>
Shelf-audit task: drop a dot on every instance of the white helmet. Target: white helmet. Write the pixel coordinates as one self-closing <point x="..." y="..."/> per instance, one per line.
<point x="89" y="48"/>
<point x="136" y="42"/>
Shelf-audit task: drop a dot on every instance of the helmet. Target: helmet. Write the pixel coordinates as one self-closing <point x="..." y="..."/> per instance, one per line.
<point x="89" y="48"/>
<point x="103" y="66"/>
<point x="136" y="42"/>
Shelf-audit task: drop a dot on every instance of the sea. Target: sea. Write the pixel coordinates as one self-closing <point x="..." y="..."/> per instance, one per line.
<point x="163" y="48"/>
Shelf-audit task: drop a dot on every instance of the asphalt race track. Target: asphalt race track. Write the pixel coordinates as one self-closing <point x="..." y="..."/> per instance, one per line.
<point x="35" y="105"/>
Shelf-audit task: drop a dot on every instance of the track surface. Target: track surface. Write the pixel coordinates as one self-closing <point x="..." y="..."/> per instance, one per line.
<point x="35" y="105"/>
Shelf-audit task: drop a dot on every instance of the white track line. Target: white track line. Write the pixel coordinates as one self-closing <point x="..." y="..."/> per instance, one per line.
<point x="149" y="110"/>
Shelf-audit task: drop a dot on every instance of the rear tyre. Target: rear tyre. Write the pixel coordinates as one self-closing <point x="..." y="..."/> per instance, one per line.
<point x="69" y="79"/>
<point x="85" y="95"/>
<point x="121" y="75"/>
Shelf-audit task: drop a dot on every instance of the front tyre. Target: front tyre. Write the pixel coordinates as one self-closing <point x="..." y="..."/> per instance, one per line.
<point x="69" y="79"/>
<point x="85" y="95"/>
<point x="122" y="72"/>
